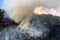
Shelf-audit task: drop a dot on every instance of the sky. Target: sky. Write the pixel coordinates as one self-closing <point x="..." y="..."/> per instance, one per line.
<point x="1" y="3"/>
<point x="49" y="4"/>
<point x="11" y="5"/>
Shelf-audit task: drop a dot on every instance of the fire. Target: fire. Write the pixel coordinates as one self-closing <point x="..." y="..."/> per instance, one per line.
<point x="41" y="10"/>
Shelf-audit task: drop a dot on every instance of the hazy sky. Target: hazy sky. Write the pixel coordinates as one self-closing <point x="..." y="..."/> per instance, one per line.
<point x="1" y="2"/>
<point x="49" y="3"/>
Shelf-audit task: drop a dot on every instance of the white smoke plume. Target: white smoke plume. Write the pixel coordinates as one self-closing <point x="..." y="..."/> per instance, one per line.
<point x="19" y="8"/>
<point x="21" y="11"/>
<point x="36" y="29"/>
<point x="41" y="10"/>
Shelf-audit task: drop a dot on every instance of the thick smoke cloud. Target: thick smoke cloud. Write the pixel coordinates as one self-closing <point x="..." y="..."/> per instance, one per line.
<point x="21" y="11"/>
<point x="41" y="10"/>
<point x="22" y="7"/>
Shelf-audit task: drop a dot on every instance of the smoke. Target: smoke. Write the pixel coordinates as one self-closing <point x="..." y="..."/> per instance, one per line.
<point x="42" y="10"/>
<point x="19" y="8"/>
<point x="21" y="32"/>
<point x="22" y="10"/>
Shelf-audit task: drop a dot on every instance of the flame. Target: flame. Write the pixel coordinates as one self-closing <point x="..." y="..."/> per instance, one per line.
<point x="41" y="10"/>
